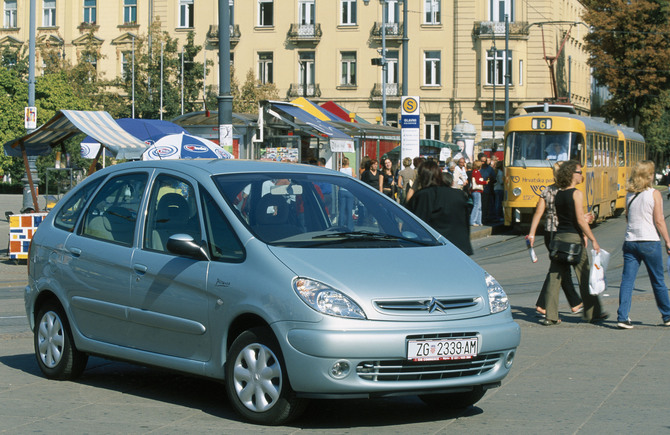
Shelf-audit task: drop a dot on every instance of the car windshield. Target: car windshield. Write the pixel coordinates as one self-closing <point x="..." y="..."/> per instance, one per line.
<point x="531" y="149"/>
<point x="314" y="210"/>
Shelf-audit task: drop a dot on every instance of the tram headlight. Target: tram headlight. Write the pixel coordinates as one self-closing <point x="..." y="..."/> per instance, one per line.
<point x="516" y="191"/>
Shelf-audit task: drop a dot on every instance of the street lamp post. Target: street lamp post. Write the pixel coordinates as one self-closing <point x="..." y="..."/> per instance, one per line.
<point x="493" y="78"/>
<point x="384" y="65"/>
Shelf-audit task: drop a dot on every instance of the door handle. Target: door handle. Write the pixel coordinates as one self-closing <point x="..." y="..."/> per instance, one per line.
<point x="140" y="268"/>
<point x="76" y="252"/>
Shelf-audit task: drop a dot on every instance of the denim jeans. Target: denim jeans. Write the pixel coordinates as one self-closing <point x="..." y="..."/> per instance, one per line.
<point x="476" y="215"/>
<point x="652" y="255"/>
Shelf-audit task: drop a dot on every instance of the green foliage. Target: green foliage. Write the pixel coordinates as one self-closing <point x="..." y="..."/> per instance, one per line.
<point x="629" y="46"/>
<point x="148" y="81"/>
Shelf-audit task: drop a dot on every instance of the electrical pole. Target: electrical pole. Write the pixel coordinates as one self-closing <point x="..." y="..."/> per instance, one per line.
<point x="507" y="68"/>
<point x="384" y="64"/>
<point x="225" y="100"/>
<point x="405" y="48"/>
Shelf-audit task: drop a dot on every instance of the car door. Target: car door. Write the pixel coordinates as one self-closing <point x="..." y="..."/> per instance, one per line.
<point x="169" y="292"/>
<point x="99" y="256"/>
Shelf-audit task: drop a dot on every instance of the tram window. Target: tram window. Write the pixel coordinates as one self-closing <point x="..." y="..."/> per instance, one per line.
<point x="620" y="153"/>
<point x="589" y="150"/>
<point x="530" y="149"/>
<point x="577" y="146"/>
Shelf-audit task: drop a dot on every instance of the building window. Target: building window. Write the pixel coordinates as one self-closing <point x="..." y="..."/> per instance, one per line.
<point x="432" y="127"/>
<point x="392" y="119"/>
<point x="265" y="67"/>
<point x="92" y="60"/>
<point x="307" y="68"/>
<point x="348" y="14"/>
<point x="432" y="11"/>
<point x="306" y="10"/>
<point x="126" y="65"/>
<point x="392" y="67"/>
<point x="500" y="8"/>
<point x="10" y="14"/>
<point x="520" y="73"/>
<point x="266" y="13"/>
<point x="49" y="13"/>
<point x="89" y="11"/>
<point x="185" y="13"/>
<point x="348" y="77"/>
<point x="432" y="68"/>
<point x="231" y="11"/>
<point x="392" y="11"/>
<point x="9" y="59"/>
<point x="496" y="67"/>
<point x="129" y="11"/>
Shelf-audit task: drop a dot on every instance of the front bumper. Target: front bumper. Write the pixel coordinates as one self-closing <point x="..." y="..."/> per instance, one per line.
<point x="376" y="357"/>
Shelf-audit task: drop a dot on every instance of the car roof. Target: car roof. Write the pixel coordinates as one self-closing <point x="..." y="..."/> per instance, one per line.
<point x="227" y="166"/>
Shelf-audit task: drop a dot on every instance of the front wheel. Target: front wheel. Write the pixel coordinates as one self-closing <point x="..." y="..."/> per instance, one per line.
<point x="56" y="354"/>
<point x="256" y="380"/>
<point x="454" y="400"/>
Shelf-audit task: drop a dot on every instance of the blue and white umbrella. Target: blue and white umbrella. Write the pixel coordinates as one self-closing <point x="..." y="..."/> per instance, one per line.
<point x="185" y="146"/>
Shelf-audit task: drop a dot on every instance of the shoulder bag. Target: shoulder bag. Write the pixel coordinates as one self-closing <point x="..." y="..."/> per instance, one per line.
<point x="565" y="252"/>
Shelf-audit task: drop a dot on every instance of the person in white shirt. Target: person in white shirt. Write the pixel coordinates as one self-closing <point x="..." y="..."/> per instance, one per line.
<point x="556" y="152"/>
<point x="460" y="175"/>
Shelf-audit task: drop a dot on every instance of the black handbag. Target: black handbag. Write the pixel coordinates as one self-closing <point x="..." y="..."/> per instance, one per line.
<point x="565" y="252"/>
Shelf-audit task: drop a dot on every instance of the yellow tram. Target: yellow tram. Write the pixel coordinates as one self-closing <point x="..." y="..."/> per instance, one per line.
<point x="547" y="134"/>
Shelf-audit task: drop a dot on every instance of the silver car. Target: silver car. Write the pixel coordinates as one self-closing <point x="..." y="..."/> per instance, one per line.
<point x="288" y="282"/>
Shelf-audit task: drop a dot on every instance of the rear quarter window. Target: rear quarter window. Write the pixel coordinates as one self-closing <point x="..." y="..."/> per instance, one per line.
<point x="67" y="216"/>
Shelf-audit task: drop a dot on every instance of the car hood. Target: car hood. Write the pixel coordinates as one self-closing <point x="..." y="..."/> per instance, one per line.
<point x="377" y="279"/>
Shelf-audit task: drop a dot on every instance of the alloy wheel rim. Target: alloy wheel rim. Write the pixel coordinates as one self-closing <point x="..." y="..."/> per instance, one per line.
<point x="257" y="377"/>
<point x="50" y="339"/>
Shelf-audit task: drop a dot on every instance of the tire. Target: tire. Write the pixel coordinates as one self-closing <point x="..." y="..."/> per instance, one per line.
<point x="454" y="400"/>
<point x="256" y="380"/>
<point x="56" y="354"/>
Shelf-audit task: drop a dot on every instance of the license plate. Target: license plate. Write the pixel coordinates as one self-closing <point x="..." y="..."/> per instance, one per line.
<point x="445" y="349"/>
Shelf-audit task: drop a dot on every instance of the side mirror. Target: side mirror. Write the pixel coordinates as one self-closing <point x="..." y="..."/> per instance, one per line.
<point x="183" y="244"/>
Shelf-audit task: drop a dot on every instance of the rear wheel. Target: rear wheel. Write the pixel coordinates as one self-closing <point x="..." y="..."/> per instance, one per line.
<point x="56" y="354"/>
<point x="256" y="380"/>
<point x="454" y="400"/>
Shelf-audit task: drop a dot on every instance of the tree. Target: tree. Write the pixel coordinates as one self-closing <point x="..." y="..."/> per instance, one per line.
<point x="629" y="46"/>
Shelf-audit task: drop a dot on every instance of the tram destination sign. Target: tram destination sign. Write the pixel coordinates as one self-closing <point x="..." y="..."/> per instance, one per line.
<point x="541" y="124"/>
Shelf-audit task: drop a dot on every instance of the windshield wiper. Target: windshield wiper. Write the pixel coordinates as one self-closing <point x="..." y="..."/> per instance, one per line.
<point x="523" y="160"/>
<point x="369" y="235"/>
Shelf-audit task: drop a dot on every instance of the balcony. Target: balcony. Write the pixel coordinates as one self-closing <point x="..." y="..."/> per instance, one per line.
<point x="300" y="90"/>
<point x="305" y="33"/>
<point x="393" y="32"/>
<point x="213" y="35"/>
<point x="392" y="91"/>
<point x="489" y="29"/>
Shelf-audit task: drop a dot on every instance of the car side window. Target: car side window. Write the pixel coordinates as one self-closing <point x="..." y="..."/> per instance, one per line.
<point x="221" y="238"/>
<point x="68" y="215"/>
<point x="172" y="210"/>
<point x="113" y="212"/>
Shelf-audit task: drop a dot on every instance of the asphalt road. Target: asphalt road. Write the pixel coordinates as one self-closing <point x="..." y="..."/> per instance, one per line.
<point x="575" y="378"/>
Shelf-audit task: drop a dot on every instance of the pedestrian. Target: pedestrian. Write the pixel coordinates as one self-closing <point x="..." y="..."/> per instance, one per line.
<point x="370" y="174"/>
<point x="387" y="184"/>
<point x="572" y="228"/>
<point x="488" y="174"/>
<point x="417" y="163"/>
<point x="477" y="186"/>
<point x="442" y="207"/>
<point x="461" y="175"/>
<point x="406" y="178"/>
<point x="545" y="205"/>
<point x="645" y="221"/>
<point x="498" y="192"/>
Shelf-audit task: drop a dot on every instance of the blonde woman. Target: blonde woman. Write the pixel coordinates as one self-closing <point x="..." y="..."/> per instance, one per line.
<point x="644" y="213"/>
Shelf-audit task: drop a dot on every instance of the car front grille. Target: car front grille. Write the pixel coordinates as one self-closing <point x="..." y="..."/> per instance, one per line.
<point x="406" y="370"/>
<point x="425" y="305"/>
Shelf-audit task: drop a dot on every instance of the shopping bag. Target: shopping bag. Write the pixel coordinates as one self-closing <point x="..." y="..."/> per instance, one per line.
<point x="597" y="280"/>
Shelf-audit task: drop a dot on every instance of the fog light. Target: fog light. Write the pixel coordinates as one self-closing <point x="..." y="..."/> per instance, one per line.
<point x="509" y="360"/>
<point x="340" y="369"/>
<point x="516" y="191"/>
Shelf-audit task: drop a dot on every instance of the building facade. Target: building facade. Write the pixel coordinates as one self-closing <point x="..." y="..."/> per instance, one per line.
<point x="455" y="58"/>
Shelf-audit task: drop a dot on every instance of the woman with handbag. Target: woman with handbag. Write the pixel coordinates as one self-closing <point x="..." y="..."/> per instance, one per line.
<point x="568" y="246"/>
<point x="546" y="205"/>
<point x="644" y="215"/>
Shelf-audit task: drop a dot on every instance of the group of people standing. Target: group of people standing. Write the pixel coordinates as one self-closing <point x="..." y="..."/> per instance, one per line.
<point x="565" y="222"/>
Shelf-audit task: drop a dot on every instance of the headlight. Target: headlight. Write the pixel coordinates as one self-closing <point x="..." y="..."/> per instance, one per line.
<point x="326" y="299"/>
<point x="497" y="298"/>
<point x="516" y="191"/>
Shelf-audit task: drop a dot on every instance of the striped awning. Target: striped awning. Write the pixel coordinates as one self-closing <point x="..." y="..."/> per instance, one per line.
<point x="68" y="123"/>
